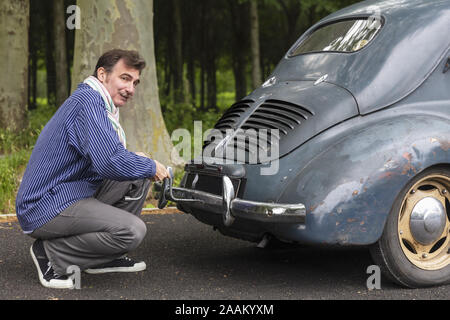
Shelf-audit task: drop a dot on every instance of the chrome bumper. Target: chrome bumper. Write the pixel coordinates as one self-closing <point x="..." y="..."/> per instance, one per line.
<point x="230" y="207"/>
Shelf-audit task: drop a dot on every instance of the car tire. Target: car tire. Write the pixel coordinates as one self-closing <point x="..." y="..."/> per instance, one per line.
<point x="412" y="251"/>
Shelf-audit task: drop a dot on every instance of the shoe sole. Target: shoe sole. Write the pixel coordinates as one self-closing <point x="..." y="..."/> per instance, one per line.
<point x="140" y="266"/>
<point x="53" y="284"/>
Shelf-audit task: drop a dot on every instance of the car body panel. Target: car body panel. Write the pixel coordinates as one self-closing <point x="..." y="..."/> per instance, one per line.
<point x="349" y="188"/>
<point x="412" y="41"/>
<point x="348" y="168"/>
<point x="317" y="99"/>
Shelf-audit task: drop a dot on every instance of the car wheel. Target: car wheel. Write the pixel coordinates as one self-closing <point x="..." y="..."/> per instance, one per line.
<point x="414" y="250"/>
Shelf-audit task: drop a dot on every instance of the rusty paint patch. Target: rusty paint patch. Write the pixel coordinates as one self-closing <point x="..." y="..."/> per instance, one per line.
<point x="445" y="145"/>
<point x="387" y="175"/>
<point x="408" y="167"/>
<point x="312" y="208"/>
<point x="407" y="156"/>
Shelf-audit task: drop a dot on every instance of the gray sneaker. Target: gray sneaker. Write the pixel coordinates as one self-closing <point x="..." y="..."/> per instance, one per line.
<point x="47" y="276"/>
<point x="124" y="264"/>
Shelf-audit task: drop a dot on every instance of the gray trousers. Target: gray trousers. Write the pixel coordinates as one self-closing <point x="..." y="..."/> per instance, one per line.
<point x="96" y="230"/>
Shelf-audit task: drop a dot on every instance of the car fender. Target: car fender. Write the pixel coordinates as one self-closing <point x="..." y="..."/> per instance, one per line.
<point x="349" y="187"/>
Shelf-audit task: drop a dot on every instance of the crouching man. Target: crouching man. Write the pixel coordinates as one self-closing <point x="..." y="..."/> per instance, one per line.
<point x="83" y="191"/>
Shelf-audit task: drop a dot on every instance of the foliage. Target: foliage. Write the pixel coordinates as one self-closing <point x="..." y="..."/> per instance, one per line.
<point x="183" y="115"/>
<point x="15" y="151"/>
<point x="13" y="142"/>
<point x="11" y="167"/>
<point x="208" y="45"/>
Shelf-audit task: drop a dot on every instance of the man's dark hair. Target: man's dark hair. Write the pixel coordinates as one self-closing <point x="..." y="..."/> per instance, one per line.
<point x="109" y="59"/>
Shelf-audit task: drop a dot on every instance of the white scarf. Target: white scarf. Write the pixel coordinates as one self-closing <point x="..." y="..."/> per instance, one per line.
<point x="113" y="111"/>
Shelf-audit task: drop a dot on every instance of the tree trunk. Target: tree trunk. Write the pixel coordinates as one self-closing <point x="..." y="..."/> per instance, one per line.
<point x="14" y="22"/>
<point x="239" y="27"/>
<point x="190" y="36"/>
<point x="70" y="42"/>
<point x="202" y="86"/>
<point x="210" y="60"/>
<point x="177" y="43"/>
<point x="191" y="78"/>
<point x="33" y="79"/>
<point x="203" y="50"/>
<point x="126" y="24"/>
<point x="239" y="77"/>
<point x="254" y="44"/>
<point x="211" y="81"/>
<point x="47" y="6"/>
<point x="292" y="10"/>
<point x="32" y="67"/>
<point x="59" y="37"/>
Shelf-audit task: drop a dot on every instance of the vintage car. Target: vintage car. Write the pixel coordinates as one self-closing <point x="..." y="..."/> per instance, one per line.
<point x="359" y="109"/>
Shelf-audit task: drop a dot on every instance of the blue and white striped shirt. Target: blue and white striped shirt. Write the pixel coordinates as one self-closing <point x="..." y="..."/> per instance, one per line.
<point x="75" y="151"/>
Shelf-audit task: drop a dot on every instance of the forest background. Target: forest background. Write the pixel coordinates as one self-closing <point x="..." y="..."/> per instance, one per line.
<point x="208" y="54"/>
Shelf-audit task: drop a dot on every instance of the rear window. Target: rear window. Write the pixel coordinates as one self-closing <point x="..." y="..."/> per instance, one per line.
<point x="343" y="36"/>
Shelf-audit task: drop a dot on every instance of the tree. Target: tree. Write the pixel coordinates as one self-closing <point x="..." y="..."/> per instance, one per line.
<point x="292" y="10"/>
<point x="126" y="24"/>
<point x="34" y="40"/>
<point x="210" y="49"/>
<point x="14" y="22"/>
<point x="239" y="49"/>
<point x="46" y="9"/>
<point x="177" y="44"/>
<point x="254" y="43"/>
<point x="59" y="26"/>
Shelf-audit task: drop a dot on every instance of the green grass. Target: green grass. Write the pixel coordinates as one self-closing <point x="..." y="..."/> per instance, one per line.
<point x="11" y="169"/>
<point x="15" y="151"/>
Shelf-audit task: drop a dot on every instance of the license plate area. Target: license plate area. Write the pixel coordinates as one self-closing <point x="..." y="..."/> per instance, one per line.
<point x="211" y="183"/>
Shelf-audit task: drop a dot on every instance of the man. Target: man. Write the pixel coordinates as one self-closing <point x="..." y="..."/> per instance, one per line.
<point x="82" y="191"/>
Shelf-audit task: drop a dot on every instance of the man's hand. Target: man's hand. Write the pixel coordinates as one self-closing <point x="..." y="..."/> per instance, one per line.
<point x="161" y="170"/>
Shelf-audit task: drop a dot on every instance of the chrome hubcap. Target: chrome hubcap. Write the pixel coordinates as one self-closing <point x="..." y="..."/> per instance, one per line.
<point x="428" y="220"/>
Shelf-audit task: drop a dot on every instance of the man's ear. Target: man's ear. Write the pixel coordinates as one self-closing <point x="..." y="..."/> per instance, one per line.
<point x="101" y="74"/>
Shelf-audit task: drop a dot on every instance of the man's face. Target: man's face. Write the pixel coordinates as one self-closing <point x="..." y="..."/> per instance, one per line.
<point x="120" y="82"/>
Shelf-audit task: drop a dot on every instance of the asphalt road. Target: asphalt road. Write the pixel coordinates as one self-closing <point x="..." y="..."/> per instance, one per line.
<point x="188" y="260"/>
